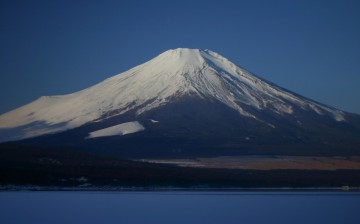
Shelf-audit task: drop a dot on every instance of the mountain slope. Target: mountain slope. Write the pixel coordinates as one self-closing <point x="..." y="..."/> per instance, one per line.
<point x="184" y="93"/>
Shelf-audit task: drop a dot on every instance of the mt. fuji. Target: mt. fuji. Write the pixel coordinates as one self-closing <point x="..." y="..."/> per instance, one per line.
<point x="181" y="99"/>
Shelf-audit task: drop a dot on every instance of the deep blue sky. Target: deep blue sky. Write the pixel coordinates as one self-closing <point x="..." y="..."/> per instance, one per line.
<point x="58" y="47"/>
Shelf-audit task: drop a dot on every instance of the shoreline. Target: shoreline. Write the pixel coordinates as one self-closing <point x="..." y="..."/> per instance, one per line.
<point x="12" y="188"/>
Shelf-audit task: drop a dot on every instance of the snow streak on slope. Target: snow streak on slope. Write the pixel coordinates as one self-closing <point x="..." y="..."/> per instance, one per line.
<point x="170" y="75"/>
<point x="120" y="129"/>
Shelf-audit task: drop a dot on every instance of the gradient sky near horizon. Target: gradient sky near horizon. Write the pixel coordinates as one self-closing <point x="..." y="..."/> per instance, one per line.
<point x="59" y="47"/>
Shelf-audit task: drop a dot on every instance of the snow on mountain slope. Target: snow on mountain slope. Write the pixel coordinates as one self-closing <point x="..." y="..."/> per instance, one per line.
<point x="120" y="129"/>
<point x="173" y="73"/>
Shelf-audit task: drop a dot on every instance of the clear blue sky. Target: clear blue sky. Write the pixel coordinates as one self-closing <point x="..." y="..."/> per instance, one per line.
<point x="58" y="47"/>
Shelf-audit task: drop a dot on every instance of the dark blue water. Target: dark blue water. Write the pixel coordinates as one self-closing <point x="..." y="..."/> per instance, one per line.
<point x="179" y="207"/>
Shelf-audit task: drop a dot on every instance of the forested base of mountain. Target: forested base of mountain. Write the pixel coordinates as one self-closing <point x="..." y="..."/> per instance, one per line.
<point x="23" y="166"/>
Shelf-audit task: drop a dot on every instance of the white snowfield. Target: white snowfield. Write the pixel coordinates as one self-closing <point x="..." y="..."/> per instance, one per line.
<point x="171" y="74"/>
<point x="120" y="129"/>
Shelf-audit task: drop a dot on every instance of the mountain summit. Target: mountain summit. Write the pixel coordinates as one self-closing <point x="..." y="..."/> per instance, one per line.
<point x="183" y="93"/>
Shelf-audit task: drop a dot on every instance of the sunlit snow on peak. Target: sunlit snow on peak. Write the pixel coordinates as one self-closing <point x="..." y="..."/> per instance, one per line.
<point x="170" y="75"/>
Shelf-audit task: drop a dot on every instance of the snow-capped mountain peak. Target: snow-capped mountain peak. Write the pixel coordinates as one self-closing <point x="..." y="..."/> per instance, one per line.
<point x="170" y="75"/>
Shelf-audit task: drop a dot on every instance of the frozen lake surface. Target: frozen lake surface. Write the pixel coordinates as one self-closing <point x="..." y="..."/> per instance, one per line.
<point x="179" y="207"/>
